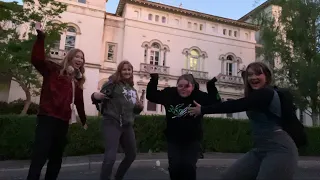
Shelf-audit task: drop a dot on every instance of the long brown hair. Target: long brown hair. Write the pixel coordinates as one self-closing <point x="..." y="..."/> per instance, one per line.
<point x="257" y="67"/>
<point x="66" y="62"/>
<point x="117" y="77"/>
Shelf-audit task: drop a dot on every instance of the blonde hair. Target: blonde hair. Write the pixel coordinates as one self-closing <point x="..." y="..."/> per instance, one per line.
<point x="66" y="62"/>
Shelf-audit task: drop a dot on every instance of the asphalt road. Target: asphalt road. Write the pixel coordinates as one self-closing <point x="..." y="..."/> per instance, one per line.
<point x="207" y="172"/>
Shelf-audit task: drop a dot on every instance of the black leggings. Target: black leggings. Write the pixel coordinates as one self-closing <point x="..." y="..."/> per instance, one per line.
<point x="183" y="160"/>
<point x="50" y="141"/>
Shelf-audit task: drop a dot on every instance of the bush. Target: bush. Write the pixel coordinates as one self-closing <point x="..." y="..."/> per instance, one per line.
<point x="15" y="107"/>
<point x="220" y="135"/>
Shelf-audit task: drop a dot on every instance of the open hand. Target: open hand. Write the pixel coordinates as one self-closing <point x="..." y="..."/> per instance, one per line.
<point x="139" y="104"/>
<point x="85" y="127"/>
<point x="195" y="111"/>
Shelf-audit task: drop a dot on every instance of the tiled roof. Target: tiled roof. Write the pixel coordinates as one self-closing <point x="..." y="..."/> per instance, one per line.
<point x="185" y="12"/>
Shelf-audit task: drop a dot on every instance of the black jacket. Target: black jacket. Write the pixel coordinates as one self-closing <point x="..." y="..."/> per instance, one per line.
<point x="181" y="127"/>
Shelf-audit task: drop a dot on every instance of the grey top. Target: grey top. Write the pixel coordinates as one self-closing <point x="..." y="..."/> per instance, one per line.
<point x="261" y="122"/>
<point x="120" y="104"/>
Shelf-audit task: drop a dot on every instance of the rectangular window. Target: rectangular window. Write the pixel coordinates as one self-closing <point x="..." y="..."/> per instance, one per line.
<point x="82" y="1"/>
<point x="201" y="27"/>
<point x="229" y="69"/>
<point x="189" y="24"/>
<point x="224" y="31"/>
<point x="151" y="106"/>
<point x="230" y="32"/>
<point x="136" y="14"/>
<point x="70" y="42"/>
<point x="195" y="26"/>
<point x="111" y="52"/>
<point x="164" y="19"/>
<point x="235" y="33"/>
<point x="177" y="22"/>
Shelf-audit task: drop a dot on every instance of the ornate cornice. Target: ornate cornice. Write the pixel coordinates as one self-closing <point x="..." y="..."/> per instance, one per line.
<point x="185" y="12"/>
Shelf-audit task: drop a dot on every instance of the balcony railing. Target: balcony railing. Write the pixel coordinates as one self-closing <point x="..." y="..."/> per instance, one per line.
<point x="57" y="54"/>
<point x="230" y="79"/>
<point x="196" y="74"/>
<point x="150" y="68"/>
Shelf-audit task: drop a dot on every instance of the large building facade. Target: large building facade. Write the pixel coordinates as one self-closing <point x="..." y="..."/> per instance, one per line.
<point x="157" y="38"/>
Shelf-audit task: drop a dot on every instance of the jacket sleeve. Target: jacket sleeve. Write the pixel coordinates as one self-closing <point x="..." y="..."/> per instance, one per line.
<point x="257" y="100"/>
<point x="38" y="55"/>
<point x="213" y="94"/>
<point x="80" y="106"/>
<point x="154" y="95"/>
<point x="107" y="89"/>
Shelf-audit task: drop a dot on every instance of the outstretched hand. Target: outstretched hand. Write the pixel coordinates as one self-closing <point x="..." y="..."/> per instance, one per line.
<point x="195" y="111"/>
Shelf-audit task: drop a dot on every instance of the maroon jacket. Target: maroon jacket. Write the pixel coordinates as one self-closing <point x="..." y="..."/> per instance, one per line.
<point x="56" y="92"/>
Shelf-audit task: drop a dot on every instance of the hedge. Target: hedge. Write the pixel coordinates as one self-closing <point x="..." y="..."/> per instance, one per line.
<point x="16" y="106"/>
<point x="220" y="135"/>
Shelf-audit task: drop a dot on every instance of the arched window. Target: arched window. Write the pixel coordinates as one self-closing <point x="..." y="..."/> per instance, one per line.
<point x="155" y="54"/>
<point x="194" y="60"/>
<point x="229" y="65"/>
<point x="70" y="38"/>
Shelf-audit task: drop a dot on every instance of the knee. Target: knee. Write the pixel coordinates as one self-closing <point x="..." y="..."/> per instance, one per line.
<point x="110" y="156"/>
<point x="131" y="156"/>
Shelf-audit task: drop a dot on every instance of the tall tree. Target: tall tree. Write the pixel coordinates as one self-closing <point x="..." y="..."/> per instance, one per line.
<point x="17" y="35"/>
<point x="292" y="36"/>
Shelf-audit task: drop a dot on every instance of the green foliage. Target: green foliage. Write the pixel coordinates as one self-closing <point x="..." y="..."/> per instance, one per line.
<point x="17" y="36"/>
<point x="220" y="135"/>
<point x="292" y="36"/>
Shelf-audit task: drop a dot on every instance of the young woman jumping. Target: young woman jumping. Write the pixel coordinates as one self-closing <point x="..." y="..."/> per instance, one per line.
<point x="275" y="155"/>
<point x="121" y="105"/>
<point x="184" y="132"/>
<point x="62" y="91"/>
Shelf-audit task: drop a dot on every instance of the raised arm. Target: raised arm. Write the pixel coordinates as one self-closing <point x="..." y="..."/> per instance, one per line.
<point x="213" y="93"/>
<point x="153" y="94"/>
<point x="78" y="101"/>
<point x="38" y="53"/>
<point x="257" y="100"/>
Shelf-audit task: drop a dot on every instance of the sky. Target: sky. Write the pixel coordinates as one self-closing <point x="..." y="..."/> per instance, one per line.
<point x="233" y="9"/>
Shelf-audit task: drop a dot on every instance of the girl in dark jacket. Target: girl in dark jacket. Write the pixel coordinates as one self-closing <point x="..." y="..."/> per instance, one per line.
<point x="183" y="132"/>
<point x="275" y="155"/>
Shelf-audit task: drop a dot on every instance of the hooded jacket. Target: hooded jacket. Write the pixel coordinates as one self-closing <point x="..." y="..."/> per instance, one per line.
<point x="181" y="127"/>
<point x="120" y="103"/>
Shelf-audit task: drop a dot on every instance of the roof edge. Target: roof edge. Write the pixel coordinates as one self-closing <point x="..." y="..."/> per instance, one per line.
<point x="255" y="10"/>
<point x="182" y="11"/>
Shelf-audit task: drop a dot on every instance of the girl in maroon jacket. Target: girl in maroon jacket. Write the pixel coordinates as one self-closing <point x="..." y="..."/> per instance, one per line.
<point x="62" y="91"/>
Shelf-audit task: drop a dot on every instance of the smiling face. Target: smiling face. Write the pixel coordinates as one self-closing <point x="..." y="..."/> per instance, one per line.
<point x="78" y="60"/>
<point x="184" y="88"/>
<point x="256" y="79"/>
<point x="256" y="76"/>
<point x="126" y="72"/>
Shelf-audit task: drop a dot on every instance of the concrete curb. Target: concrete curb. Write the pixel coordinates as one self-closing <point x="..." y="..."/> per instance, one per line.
<point x="218" y="162"/>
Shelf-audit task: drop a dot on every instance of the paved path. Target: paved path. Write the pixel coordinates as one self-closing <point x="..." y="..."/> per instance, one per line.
<point x="144" y="168"/>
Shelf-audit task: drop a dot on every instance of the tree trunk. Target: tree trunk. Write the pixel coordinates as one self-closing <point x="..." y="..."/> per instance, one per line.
<point x="27" y="101"/>
<point x="315" y="118"/>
